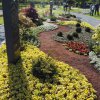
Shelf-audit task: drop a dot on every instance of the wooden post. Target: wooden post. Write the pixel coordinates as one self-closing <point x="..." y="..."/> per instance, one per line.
<point x="10" y="13"/>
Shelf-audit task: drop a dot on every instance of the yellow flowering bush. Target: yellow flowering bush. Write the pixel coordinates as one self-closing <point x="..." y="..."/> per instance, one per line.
<point x="83" y="24"/>
<point x="96" y="36"/>
<point x="17" y="82"/>
<point x="67" y="22"/>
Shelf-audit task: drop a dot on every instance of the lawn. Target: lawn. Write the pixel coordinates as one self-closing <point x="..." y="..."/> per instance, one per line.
<point x="95" y="16"/>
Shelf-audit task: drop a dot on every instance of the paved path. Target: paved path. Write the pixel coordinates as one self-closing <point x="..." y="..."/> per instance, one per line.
<point x="2" y="36"/>
<point x="1" y="13"/>
<point x="94" y="22"/>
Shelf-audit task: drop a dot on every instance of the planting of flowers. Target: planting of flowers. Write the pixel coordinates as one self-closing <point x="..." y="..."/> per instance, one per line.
<point x="94" y="55"/>
<point x="67" y="23"/>
<point x="83" y="24"/>
<point x="45" y="27"/>
<point x="31" y="34"/>
<point x="77" y="47"/>
<point x="80" y="32"/>
<point x="36" y="76"/>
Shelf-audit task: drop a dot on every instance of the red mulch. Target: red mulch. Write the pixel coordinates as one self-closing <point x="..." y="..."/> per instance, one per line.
<point x="57" y="51"/>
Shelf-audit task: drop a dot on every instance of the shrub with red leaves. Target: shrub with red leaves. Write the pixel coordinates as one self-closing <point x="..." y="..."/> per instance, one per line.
<point x="78" y="47"/>
<point x="32" y="13"/>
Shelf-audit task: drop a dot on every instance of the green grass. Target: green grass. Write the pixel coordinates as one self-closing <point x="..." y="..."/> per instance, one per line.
<point x="77" y="10"/>
<point x="1" y="20"/>
<point x="94" y="16"/>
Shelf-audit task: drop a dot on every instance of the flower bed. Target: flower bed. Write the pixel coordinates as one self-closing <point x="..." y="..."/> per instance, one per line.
<point x="45" y="27"/>
<point x="83" y="24"/>
<point x="72" y="35"/>
<point x="80" y="32"/>
<point x="77" y="47"/>
<point x="31" y="34"/>
<point x="61" y="81"/>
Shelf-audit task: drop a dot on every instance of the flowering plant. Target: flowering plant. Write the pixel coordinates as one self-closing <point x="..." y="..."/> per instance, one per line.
<point x="17" y="82"/>
<point x="83" y="24"/>
<point x="94" y="60"/>
<point x="77" y="47"/>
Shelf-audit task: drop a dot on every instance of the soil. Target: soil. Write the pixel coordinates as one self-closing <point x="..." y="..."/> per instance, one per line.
<point x="57" y="51"/>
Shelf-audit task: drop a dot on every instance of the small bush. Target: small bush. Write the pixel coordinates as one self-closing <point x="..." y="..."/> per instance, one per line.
<point x="60" y="34"/>
<point x="78" y="25"/>
<point x="75" y="35"/>
<point x="87" y="29"/>
<point x="53" y="18"/>
<point x="38" y="22"/>
<point x="68" y="15"/>
<point x="70" y="37"/>
<point x="90" y="45"/>
<point x="73" y="16"/>
<point x="79" y="21"/>
<point x="78" y="29"/>
<point x="43" y="69"/>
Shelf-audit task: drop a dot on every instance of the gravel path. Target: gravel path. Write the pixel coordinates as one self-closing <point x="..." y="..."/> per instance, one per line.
<point x="57" y="51"/>
<point x="94" y="22"/>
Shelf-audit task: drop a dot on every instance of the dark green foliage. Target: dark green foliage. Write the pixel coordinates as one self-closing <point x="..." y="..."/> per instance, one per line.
<point x="44" y="69"/>
<point x="91" y="44"/>
<point x="74" y="16"/>
<point x="60" y="34"/>
<point x="79" y="21"/>
<point x="78" y="25"/>
<point x="38" y="22"/>
<point x="70" y="37"/>
<point x="53" y="18"/>
<point x="69" y="15"/>
<point x="26" y="35"/>
<point x="78" y="29"/>
<point x="87" y="29"/>
<point x="75" y="35"/>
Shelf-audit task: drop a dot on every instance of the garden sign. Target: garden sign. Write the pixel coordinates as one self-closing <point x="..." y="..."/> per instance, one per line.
<point x="10" y="13"/>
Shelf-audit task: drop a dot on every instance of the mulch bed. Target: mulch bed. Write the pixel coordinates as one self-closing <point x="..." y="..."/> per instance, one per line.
<point x="57" y="51"/>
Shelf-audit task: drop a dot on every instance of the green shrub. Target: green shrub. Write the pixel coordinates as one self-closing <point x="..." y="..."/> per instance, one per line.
<point x="75" y="35"/>
<point x="79" y="21"/>
<point x="70" y="37"/>
<point x="87" y="29"/>
<point x="78" y="25"/>
<point x="53" y="18"/>
<point x="60" y="34"/>
<point x="43" y="69"/>
<point x="38" y="22"/>
<point x="78" y="29"/>
<point x="73" y="16"/>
